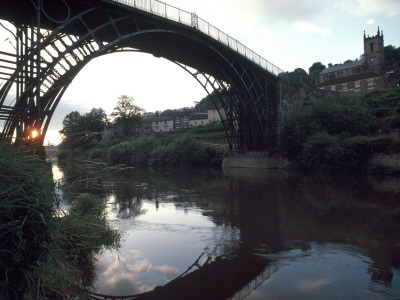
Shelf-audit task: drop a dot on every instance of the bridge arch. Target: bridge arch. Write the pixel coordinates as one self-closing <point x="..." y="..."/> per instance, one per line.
<point x="244" y="93"/>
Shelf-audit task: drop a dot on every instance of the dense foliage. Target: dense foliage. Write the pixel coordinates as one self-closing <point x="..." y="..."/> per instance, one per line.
<point x="200" y="146"/>
<point x="383" y="103"/>
<point x="178" y="151"/>
<point x="335" y="135"/>
<point x="45" y="253"/>
<point x="81" y="129"/>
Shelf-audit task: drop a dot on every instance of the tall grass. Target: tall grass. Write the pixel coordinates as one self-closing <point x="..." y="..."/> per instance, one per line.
<point x="44" y="255"/>
<point x="27" y="204"/>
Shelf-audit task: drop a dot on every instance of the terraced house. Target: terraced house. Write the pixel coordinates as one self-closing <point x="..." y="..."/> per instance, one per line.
<point x="365" y="74"/>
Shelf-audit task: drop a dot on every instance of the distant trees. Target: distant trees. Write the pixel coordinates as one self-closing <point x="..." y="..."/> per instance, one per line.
<point x="127" y="114"/>
<point x="81" y="128"/>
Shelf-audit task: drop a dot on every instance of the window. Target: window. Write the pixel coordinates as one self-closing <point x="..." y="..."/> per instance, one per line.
<point x="357" y="84"/>
<point x="340" y="74"/>
<point x="371" y="47"/>
<point x="333" y="88"/>
<point x="344" y="86"/>
<point x="370" y="82"/>
<point x="372" y="59"/>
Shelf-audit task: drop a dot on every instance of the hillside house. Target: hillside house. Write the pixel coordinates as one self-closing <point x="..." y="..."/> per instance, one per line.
<point x="362" y="75"/>
<point x="198" y="119"/>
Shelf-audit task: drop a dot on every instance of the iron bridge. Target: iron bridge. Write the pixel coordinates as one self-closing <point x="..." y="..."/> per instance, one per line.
<point x="55" y="39"/>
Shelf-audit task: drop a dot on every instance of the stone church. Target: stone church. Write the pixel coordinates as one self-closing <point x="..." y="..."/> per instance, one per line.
<point x="362" y="75"/>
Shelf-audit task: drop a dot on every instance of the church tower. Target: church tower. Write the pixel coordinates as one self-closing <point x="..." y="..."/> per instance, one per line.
<point x="373" y="53"/>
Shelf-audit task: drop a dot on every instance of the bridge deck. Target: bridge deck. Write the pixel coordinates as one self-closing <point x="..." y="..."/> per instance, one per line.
<point x="191" y="19"/>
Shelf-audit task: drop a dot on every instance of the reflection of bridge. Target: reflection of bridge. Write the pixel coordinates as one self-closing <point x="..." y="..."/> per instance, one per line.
<point x="54" y="40"/>
<point x="233" y="278"/>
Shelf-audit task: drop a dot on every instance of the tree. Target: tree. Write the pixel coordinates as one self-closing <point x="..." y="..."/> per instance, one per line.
<point x="392" y="55"/>
<point x="314" y="71"/>
<point x="71" y="124"/>
<point x="81" y="128"/>
<point x="297" y="78"/>
<point x="127" y="114"/>
<point x="95" y="121"/>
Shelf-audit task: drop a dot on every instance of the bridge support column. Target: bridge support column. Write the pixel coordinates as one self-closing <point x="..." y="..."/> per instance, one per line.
<point x="254" y="160"/>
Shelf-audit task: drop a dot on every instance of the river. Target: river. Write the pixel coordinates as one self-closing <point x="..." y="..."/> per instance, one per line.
<point x="254" y="234"/>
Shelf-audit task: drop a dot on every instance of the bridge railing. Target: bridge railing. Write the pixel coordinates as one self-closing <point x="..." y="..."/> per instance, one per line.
<point x="191" y="19"/>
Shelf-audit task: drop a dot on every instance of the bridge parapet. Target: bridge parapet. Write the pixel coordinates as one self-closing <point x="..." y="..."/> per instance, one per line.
<point x="191" y="19"/>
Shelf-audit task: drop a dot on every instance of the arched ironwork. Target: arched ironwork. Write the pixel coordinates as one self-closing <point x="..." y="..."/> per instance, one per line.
<point x="56" y="45"/>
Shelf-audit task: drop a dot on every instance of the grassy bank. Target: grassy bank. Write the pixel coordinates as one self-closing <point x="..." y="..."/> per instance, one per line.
<point x="44" y="253"/>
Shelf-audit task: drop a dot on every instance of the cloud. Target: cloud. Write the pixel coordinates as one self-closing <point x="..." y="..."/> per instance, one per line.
<point x="167" y="271"/>
<point x="313" y="285"/>
<point x="132" y="273"/>
<point x="389" y="8"/>
<point x="272" y="10"/>
<point x="309" y="27"/>
<point x="371" y="22"/>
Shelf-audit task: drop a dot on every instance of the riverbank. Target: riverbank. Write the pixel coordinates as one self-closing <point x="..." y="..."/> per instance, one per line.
<point x="157" y="150"/>
<point x="45" y="253"/>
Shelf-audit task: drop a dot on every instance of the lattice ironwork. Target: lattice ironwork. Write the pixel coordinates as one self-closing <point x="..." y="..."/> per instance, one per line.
<point x="52" y="49"/>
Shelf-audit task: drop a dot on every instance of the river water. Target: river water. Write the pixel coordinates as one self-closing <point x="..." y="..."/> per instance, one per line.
<point x="254" y="234"/>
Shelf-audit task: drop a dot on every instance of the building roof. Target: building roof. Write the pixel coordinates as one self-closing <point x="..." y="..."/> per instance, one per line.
<point x="199" y="117"/>
<point x="351" y="78"/>
<point x="341" y="67"/>
<point x="157" y="119"/>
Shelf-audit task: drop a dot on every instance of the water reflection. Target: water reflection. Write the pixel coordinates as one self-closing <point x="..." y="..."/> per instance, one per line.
<point x="260" y="235"/>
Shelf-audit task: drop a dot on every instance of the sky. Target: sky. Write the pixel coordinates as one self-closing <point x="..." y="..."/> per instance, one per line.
<point x="290" y="34"/>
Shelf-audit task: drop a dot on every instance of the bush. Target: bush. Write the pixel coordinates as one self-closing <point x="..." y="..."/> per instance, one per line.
<point x="180" y="150"/>
<point x="121" y="154"/>
<point x="63" y="155"/>
<point x="142" y="148"/>
<point x="186" y="151"/>
<point x="382" y="103"/>
<point x="332" y="153"/>
<point x="333" y="117"/>
<point x="99" y="154"/>
<point x="158" y="156"/>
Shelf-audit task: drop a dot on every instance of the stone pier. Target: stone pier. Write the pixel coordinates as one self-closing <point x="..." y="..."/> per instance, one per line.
<point x="258" y="160"/>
